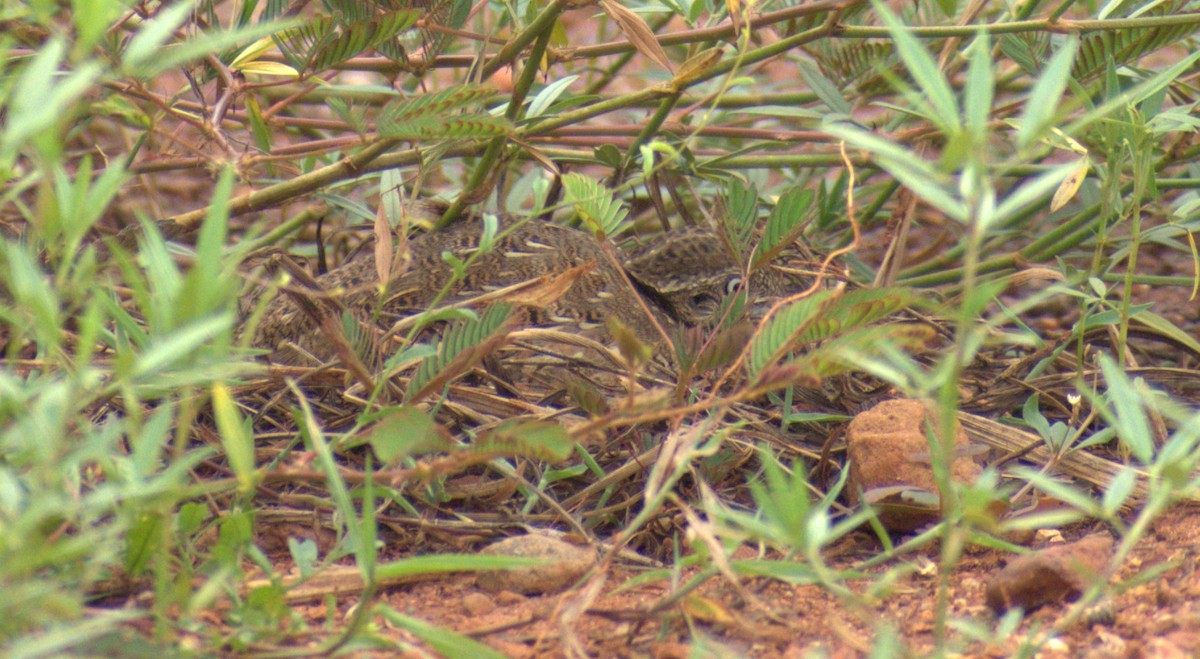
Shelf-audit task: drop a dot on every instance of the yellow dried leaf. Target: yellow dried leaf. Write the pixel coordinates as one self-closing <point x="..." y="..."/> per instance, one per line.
<point x="252" y="53"/>
<point x="269" y="69"/>
<point x="1071" y="143"/>
<point x="710" y="611"/>
<point x="1067" y="189"/>
<point x="734" y="7"/>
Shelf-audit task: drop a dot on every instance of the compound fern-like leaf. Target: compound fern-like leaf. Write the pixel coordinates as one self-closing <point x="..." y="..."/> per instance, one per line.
<point x="442" y="115"/>
<point x="462" y="346"/>
<point x="594" y="203"/>
<point x="784" y="224"/>
<point x="819" y="318"/>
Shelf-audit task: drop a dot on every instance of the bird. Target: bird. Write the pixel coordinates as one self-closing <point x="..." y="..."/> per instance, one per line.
<point x="675" y="279"/>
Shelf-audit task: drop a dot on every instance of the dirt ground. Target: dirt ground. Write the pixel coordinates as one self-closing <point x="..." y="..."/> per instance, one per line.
<point x="1156" y="618"/>
<point x="1159" y="617"/>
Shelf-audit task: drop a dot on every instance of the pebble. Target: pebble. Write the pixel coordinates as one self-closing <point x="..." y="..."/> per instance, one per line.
<point x="564" y="564"/>
<point x="890" y="463"/>
<point x="1050" y="575"/>
<point x="478" y="604"/>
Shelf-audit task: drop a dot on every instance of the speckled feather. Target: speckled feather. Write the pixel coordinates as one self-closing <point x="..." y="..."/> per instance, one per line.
<point x="682" y="275"/>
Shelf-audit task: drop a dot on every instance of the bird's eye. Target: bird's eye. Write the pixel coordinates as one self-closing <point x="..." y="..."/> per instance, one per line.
<point x="733" y="285"/>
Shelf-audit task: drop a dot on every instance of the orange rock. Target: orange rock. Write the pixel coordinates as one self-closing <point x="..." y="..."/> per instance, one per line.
<point x="1050" y="575"/>
<point x="890" y="462"/>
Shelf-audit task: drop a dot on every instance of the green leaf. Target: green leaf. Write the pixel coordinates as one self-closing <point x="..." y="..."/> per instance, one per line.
<point x="444" y="563"/>
<point x="1104" y="48"/>
<point x="782" y="497"/>
<point x="324" y="41"/>
<point x="980" y="88"/>
<point x="780" y="329"/>
<point x="190" y="518"/>
<point x="401" y="432"/>
<point x="741" y="210"/>
<point x="595" y="204"/>
<point x="147" y="43"/>
<point x="462" y="346"/>
<point x="540" y="440"/>
<point x="92" y="19"/>
<point x="1030" y="193"/>
<point x="439" y="115"/>
<point x="444" y="642"/>
<point x="1126" y="414"/>
<point x="304" y="555"/>
<point x="178" y="347"/>
<point x="201" y="292"/>
<point x="171" y="56"/>
<point x="823" y="87"/>
<point x="789" y="571"/>
<point x="1119" y="489"/>
<point x="609" y="155"/>
<point x="85" y="200"/>
<point x="36" y="300"/>
<point x="924" y="70"/>
<point x="1168" y="329"/>
<point x="236" y="438"/>
<point x="780" y="111"/>
<point x="1046" y="96"/>
<point x="548" y="95"/>
<point x="1027" y="49"/>
<point x="784" y="224"/>
<point x="1052" y="486"/>
<point x="909" y="169"/>
<point x="42" y="96"/>
<point x="263" y="137"/>
<point x="1032" y="414"/>
<point x="235" y="532"/>
<point x="141" y="541"/>
<point x="824" y="316"/>
<point x="360" y="542"/>
<point x="948" y="7"/>
<point x="851" y="348"/>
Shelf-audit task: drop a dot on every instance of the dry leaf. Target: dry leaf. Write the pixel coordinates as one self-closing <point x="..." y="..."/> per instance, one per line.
<point x="383" y="245"/>
<point x="696" y="66"/>
<point x="639" y="34"/>
<point x="547" y="289"/>
<point x="402" y="257"/>
<point x="904" y="508"/>
<point x="632" y="349"/>
<point x="1066" y="191"/>
<point x="708" y="610"/>
<point x="735" y="14"/>
<point x="1027" y="275"/>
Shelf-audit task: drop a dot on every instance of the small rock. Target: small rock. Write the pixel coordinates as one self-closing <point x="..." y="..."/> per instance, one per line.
<point x="1056" y="645"/>
<point x="1102" y="613"/>
<point x="478" y="604"/>
<point x="564" y="564"/>
<point x="509" y="598"/>
<point x="670" y="650"/>
<point x="1108" y="644"/>
<point x="890" y="463"/>
<point x="1178" y="644"/>
<point x="511" y="649"/>
<point x="1050" y="575"/>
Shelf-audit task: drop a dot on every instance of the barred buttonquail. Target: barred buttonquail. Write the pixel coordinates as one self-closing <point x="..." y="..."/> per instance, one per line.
<point x="681" y="276"/>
